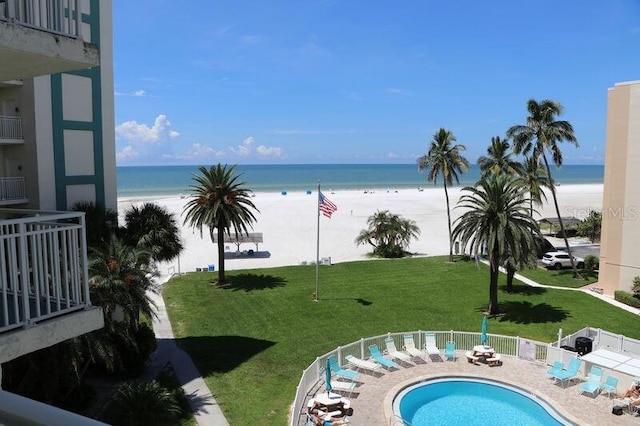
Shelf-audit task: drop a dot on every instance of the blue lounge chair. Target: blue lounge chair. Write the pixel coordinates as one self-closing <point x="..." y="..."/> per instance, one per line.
<point x="593" y="383"/>
<point x="450" y="350"/>
<point x="339" y="371"/>
<point x="377" y="357"/>
<point x="610" y="386"/>
<point x="558" y="366"/>
<point x="570" y="373"/>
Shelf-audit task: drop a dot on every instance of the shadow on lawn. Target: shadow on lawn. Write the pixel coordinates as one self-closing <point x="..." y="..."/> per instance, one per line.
<point x="521" y="312"/>
<point x="525" y="290"/>
<point x="249" y="282"/>
<point x="221" y="354"/>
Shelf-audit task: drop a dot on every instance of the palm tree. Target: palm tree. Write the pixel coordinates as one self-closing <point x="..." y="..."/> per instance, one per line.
<point x="220" y="202"/>
<point x="101" y="223"/>
<point x="153" y="229"/>
<point x="498" y="159"/>
<point x="496" y="218"/>
<point x="444" y="159"/>
<point x="142" y="403"/>
<point x="542" y="133"/>
<point x="534" y="178"/>
<point x="120" y="283"/>
<point x="388" y="233"/>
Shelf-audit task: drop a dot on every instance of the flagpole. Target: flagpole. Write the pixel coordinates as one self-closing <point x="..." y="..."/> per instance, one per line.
<point x="317" y="295"/>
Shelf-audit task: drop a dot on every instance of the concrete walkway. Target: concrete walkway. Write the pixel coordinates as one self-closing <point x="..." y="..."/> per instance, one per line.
<point x="204" y="406"/>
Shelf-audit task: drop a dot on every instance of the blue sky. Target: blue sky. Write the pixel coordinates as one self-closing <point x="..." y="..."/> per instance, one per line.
<point x="358" y="81"/>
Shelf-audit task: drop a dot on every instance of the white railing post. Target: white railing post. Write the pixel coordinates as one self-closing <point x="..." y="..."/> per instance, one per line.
<point x="85" y="261"/>
<point x="23" y="265"/>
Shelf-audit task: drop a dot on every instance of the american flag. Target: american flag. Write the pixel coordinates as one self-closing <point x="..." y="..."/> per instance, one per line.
<point x="325" y="206"/>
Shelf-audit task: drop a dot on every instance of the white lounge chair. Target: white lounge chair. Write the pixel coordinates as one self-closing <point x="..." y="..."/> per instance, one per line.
<point x="410" y="347"/>
<point x="362" y="364"/>
<point x="394" y="352"/>
<point x="430" y="345"/>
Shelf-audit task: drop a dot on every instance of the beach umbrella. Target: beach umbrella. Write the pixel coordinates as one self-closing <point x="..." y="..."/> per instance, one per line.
<point x="483" y="337"/>
<point x="327" y="378"/>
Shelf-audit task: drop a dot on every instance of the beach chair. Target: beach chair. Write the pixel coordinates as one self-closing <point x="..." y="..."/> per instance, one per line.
<point x="557" y="367"/>
<point x="361" y="364"/>
<point x="450" y="351"/>
<point x="593" y="383"/>
<point x="410" y="347"/>
<point x="377" y="357"/>
<point x="339" y="371"/>
<point x="610" y="386"/>
<point x="430" y="346"/>
<point x="570" y="373"/>
<point x="394" y="352"/>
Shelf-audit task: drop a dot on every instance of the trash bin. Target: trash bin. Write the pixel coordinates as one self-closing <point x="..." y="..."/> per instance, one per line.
<point x="568" y="348"/>
<point x="211" y="268"/>
<point x="584" y="345"/>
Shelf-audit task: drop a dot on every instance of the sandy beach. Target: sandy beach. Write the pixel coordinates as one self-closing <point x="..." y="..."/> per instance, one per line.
<point x="289" y="224"/>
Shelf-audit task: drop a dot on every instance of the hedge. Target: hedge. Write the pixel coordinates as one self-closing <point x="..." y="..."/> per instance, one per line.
<point x="626" y="298"/>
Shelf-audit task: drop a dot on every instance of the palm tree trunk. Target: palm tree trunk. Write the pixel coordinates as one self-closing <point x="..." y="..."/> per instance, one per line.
<point x="221" y="279"/>
<point x="511" y="271"/>
<point x="446" y="196"/>
<point x="494" y="272"/>
<point x="555" y="203"/>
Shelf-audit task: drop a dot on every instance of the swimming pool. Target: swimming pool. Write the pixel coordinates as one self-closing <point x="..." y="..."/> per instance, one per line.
<point x="462" y="401"/>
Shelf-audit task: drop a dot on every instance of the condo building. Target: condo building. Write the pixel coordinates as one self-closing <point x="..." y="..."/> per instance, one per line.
<point x="619" y="249"/>
<point x="57" y="147"/>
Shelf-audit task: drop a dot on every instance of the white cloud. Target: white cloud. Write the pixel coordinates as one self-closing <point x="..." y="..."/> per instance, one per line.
<point x="141" y="133"/>
<point x="127" y="154"/>
<point x="392" y="155"/>
<point x="245" y="148"/>
<point x="135" y="93"/>
<point x="269" y="151"/>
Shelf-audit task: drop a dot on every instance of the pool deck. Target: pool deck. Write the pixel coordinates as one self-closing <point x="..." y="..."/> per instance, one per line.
<point x="372" y="398"/>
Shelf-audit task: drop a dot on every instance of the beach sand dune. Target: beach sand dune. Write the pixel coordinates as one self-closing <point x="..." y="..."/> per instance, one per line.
<point x="289" y="224"/>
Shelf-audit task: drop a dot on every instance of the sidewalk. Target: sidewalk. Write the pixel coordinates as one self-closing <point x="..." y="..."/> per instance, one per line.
<point x="205" y="408"/>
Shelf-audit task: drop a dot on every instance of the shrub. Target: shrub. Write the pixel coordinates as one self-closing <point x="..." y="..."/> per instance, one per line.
<point x="592" y="262"/>
<point x="635" y="288"/>
<point x="142" y="403"/>
<point x="626" y="298"/>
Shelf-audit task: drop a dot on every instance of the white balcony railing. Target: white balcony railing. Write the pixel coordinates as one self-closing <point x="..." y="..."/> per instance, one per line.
<point x="12" y="188"/>
<point x="55" y="16"/>
<point x="43" y="259"/>
<point x="10" y="128"/>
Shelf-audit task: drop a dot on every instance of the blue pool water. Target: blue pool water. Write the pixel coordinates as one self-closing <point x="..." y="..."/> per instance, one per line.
<point x="469" y="401"/>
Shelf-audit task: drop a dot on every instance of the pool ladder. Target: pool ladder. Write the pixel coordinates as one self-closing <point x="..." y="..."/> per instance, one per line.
<point x="396" y="420"/>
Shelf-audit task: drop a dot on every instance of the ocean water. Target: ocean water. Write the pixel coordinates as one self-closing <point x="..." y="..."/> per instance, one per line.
<point x="174" y="180"/>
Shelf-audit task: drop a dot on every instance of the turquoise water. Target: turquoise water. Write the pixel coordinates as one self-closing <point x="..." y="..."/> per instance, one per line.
<point x="173" y="180"/>
<point x="467" y="402"/>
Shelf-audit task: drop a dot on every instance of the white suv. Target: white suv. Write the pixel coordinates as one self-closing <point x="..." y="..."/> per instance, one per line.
<point x="560" y="259"/>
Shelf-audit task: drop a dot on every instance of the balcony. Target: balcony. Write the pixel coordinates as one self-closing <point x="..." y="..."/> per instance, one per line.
<point x="12" y="191"/>
<point x="44" y="289"/>
<point x="10" y="130"/>
<point x="40" y="37"/>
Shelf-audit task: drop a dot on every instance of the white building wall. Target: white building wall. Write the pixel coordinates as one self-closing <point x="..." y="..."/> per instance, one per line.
<point x="46" y="196"/>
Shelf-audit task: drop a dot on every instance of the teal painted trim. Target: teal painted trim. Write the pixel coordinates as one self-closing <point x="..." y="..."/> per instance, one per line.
<point x="81" y="180"/>
<point x="78" y="125"/>
<point x="95" y="126"/>
<point x="58" y="142"/>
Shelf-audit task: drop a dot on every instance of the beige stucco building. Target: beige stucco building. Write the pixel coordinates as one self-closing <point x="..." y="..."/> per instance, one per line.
<point x="620" y="245"/>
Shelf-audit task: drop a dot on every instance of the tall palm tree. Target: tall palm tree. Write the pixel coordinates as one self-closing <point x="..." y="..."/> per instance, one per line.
<point x="534" y="178"/>
<point x="153" y="229"/>
<point x="444" y="159"/>
<point x="496" y="218"/>
<point x="220" y="202"/>
<point x="498" y="159"/>
<point x="101" y="223"/>
<point x="542" y="133"/>
<point x="388" y="233"/>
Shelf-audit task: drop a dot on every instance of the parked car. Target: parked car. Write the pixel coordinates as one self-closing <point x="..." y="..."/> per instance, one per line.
<point x="560" y="259"/>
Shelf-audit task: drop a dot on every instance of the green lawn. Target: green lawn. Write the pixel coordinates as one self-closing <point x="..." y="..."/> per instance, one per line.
<point x="561" y="278"/>
<point x="252" y="340"/>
